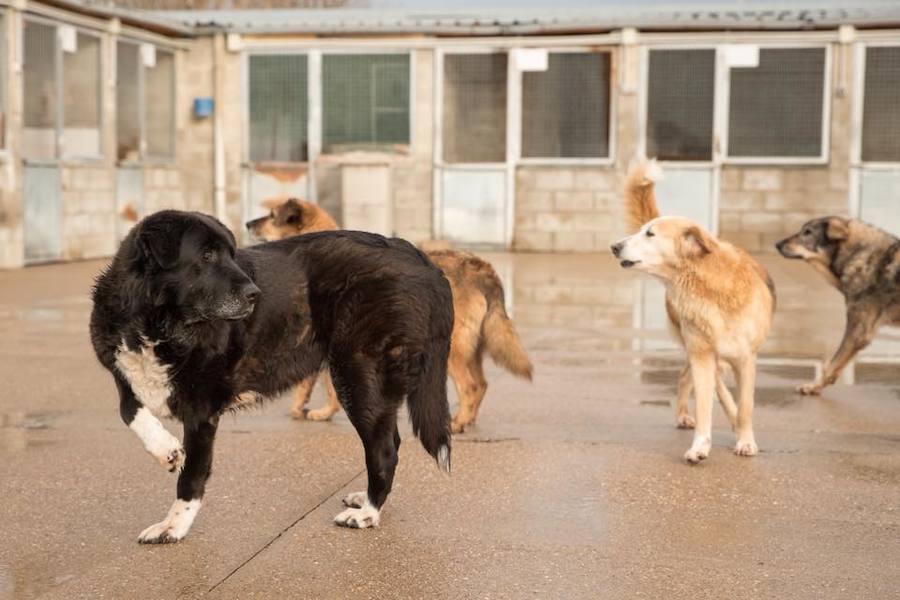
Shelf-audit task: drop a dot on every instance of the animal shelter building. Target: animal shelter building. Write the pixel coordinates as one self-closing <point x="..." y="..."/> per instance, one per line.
<point x="507" y="129"/>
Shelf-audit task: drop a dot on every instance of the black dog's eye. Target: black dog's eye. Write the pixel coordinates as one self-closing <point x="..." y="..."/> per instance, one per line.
<point x="650" y="233"/>
<point x="209" y="256"/>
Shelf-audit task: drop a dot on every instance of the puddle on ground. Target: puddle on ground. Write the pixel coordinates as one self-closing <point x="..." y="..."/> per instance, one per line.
<point x="17" y="430"/>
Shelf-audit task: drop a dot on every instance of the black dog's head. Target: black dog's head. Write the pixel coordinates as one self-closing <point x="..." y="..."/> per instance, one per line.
<point x="186" y="261"/>
<point x="816" y="241"/>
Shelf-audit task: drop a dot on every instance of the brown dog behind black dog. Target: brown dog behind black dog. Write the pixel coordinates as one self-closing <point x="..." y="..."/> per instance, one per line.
<point x="863" y="263"/>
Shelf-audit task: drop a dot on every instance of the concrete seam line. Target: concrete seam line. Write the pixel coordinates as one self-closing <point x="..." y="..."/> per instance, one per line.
<point x="285" y="530"/>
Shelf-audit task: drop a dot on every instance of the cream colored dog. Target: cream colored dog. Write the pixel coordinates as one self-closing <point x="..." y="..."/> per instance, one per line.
<point x="719" y="302"/>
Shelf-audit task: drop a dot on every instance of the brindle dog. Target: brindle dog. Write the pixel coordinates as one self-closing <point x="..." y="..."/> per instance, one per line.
<point x="863" y="263"/>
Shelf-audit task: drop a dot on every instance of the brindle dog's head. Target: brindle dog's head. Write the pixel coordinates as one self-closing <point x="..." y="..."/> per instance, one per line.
<point x="185" y="263"/>
<point x="285" y="219"/>
<point x="816" y="241"/>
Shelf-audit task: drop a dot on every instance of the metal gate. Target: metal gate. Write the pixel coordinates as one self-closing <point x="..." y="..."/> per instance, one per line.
<point x="473" y="183"/>
<point x="129" y="198"/>
<point x="42" y="214"/>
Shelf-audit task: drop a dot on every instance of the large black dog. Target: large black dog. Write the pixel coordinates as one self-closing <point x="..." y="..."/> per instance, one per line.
<point x="186" y="323"/>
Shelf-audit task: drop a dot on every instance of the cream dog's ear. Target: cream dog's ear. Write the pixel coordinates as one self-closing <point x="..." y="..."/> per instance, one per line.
<point x="697" y="242"/>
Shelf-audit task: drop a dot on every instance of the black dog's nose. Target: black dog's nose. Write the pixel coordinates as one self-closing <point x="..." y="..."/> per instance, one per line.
<point x="616" y="249"/>
<point x="250" y="293"/>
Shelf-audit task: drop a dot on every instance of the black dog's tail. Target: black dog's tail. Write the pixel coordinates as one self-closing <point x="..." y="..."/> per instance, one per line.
<point x="427" y="398"/>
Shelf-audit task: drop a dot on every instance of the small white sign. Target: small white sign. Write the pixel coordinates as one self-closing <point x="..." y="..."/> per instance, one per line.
<point x="148" y="55"/>
<point x="531" y="59"/>
<point x="68" y="38"/>
<point x="743" y="56"/>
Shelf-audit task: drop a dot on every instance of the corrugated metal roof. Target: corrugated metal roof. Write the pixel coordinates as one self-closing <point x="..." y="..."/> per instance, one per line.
<point x="729" y="16"/>
<point x="159" y="22"/>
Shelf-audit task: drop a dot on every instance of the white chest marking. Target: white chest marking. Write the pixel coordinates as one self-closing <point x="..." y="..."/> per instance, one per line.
<point x="149" y="378"/>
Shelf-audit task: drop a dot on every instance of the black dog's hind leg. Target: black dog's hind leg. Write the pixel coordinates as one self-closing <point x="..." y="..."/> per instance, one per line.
<point x="199" y="434"/>
<point x="161" y="444"/>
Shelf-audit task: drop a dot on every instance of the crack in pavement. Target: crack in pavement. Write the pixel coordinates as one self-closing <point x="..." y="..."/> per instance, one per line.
<point x="285" y="530"/>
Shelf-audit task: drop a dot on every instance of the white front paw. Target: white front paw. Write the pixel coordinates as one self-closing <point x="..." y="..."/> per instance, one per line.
<point x="698" y="451"/>
<point x="160" y="533"/>
<point x="171" y="455"/>
<point x="746" y="448"/>
<point x="175" y="526"/>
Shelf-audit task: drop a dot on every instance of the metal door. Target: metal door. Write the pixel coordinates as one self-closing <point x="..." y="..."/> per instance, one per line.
<point x="472" y="175"/>
<point x="43" y="213"/>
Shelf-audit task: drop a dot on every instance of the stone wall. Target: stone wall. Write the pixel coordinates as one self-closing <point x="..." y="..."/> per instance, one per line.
<point x="89" y="215"/>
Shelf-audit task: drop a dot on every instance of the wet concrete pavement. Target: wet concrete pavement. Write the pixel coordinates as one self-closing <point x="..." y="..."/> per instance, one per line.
<point x="570" y="487"/>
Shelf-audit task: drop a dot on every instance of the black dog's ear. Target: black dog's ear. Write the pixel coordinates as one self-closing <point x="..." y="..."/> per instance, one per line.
<point x="292" y="212"/>
<point x="159" y="245"/>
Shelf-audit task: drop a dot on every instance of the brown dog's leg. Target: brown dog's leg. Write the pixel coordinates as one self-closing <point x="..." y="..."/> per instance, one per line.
<point x="703" y="371"/>
<point x="862" y="323"/>
<point x="302" y="392"/>
<point x="326" y="412"/>
<point x="683" y="418"/>
<point x="746" y="376"/>
<point x="470" y="387"/>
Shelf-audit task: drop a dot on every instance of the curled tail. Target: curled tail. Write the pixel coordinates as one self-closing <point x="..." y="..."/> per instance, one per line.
<point x="500" y="337"/>
<point x="640" y="200"/>
<point x="427" y="399"/>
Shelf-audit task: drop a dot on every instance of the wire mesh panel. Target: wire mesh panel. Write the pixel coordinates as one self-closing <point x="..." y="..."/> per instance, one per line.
<point x="128" y="117"/>
<point x="680" y="100"/>
<point x="365" y="101"/>
<point x="81" y="98"/>
<point x="4" y="80"/>
<point x="776" y="109"/>
<point x="278" y="108"/>
<point x="881" y="105"/>
<point x="565" y="109"/>
<point x="474" y="119"/>
<point x="40" y="91"/>
<point x="159" y="102"/>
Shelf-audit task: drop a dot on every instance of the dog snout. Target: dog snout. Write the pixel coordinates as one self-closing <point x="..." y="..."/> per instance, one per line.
<point x="617" y="248"/>
<point x="250" y="293"/>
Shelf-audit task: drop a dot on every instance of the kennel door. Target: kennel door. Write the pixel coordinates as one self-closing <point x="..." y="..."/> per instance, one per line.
<point x="879" y="198"/>
<point x="688" y="192"/>
<point x="42" y="214"/>
<point x="129" y="198"/>
<point x="472" y="171"/>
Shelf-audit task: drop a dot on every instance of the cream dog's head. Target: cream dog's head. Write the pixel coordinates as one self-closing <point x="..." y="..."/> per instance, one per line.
<point x="663" y="246"/>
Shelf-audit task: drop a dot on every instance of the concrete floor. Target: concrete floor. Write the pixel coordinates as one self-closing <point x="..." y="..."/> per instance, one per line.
<point x="570" y="487"/>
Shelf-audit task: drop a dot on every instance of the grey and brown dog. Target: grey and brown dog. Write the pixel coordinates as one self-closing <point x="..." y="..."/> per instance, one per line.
<point x="863" y="263"/>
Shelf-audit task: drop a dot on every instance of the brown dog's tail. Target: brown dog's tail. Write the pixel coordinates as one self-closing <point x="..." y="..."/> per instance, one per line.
<point x="499" y="334"/>
<point x="640" y="201"/>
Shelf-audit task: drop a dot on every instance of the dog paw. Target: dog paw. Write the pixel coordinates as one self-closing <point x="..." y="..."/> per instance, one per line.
<point x="320" y="414"/>
<point x="746" y="448"/>
<point x="173" y="460"/>
<point x="298" y="414"/>
<point x="355" y="500"/>
<point x="457" y="427"/>
<point x="809" y="389"/>
<point x="359" y="518"/>
<point x="685" y="422"/>
<point x="160" y="533"/>
<point x="699" y="450"/>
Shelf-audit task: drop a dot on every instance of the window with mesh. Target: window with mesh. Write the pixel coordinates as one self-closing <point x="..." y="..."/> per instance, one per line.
<point x="278" y="108"/>
<point x="81" y="98"/>
<point x="776" y="109"/>
<point x="474" y="119"/>
<point x="881" y="105"/>
<point x="128" y="119"/>
<point x="365" y="101"/>
<point x="565" y="109"/>
<point x="680" y="100"/>
<point x="4" y="81"/>
<point x="159" y="103"/>
<point x="41" y="91"/>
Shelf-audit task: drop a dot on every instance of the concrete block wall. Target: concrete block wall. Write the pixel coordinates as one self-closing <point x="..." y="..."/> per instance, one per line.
<point x="89" y="211"/>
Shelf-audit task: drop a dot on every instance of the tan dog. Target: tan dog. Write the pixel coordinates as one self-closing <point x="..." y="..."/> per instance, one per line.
<point x="480" y="323"/>
<point x="719" y="302"/>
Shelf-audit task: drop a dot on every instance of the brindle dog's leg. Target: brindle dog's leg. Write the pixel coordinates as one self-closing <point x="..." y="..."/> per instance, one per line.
<point x="862" y="323"/>
<point x="199" y="434"/>
<point x="302" y="392"/>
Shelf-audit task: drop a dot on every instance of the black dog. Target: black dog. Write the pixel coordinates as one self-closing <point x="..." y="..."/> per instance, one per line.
<point x="185" y="323"/>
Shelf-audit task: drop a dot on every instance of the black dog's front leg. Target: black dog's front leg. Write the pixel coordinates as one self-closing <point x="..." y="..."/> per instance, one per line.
<point x="199" y="436"/>
<point x="161" y="444"/>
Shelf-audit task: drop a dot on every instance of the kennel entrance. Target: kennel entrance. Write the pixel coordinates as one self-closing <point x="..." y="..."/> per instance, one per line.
<point x="875" y="174"/>
<point x="473" y="182"/>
